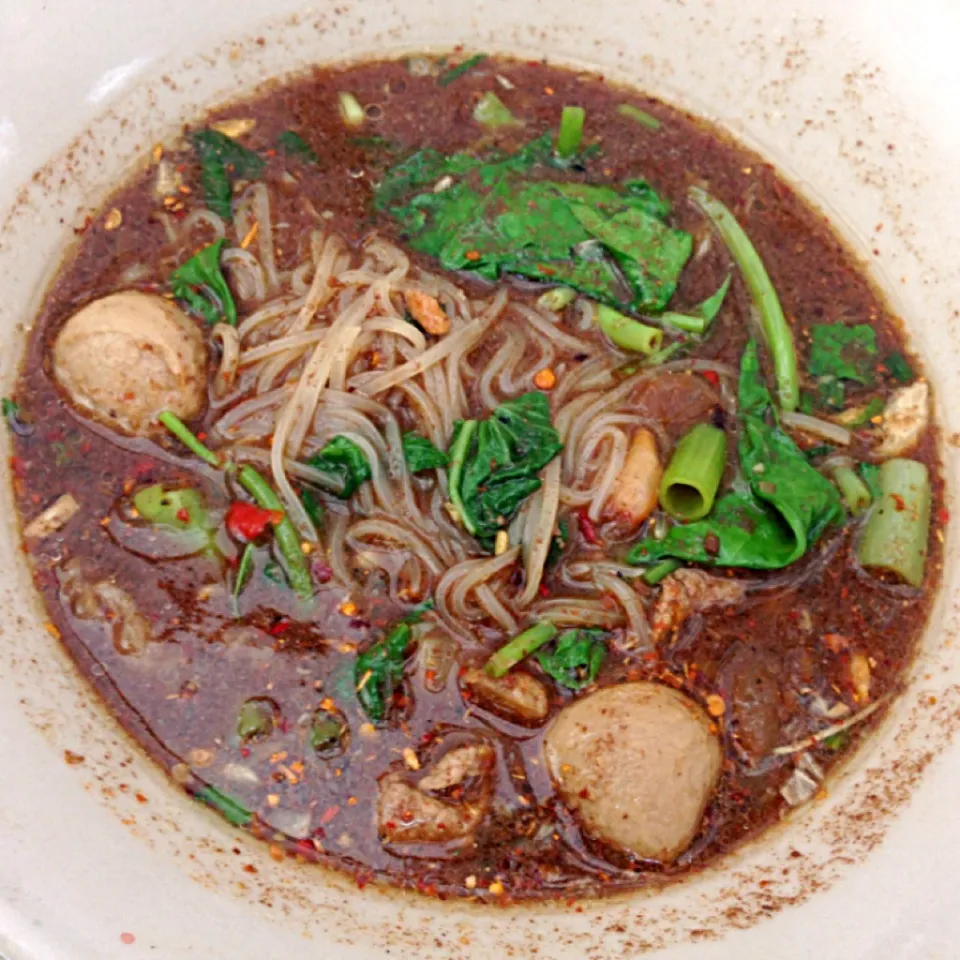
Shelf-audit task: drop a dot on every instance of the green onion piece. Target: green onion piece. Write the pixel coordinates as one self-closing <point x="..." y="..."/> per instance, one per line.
<point x="557" y="299"/>
<point x="700" y="317"/>
<point x="689" y="484"/>
<point x="641" y="116"/>
<point x="571" y="131"/>
<point x="776" y="331"/>
<point x="455" y="73"/>
<point x="659" y="356"/>
<point x="458" y="455"/>
<point x="520" y="647"/>
<point x="182" y="432"/>
<point x="351" y="112"/>
<point x="230" y="809"/>
<point x="854" y="491"/>
<point x="895" y="537"/>
<point x="858" y="416"/>
<point x="288" y="540"/>
<point x="627" y="333"/>
<point x="491" y="112"/>
<point x="660" y="571"/>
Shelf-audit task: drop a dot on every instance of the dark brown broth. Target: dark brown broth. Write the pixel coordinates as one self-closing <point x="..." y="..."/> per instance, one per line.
<point x="183" y="695"/>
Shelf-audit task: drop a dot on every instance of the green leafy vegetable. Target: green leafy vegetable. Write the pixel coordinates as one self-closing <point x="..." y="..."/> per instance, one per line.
<point x="379" y="670"/>
<point x="831" y="394"/>
<point x="345" y="463"/>
<point x="455" y="73"/>
<point x="559" y="543"/>
<point x="420" y="454"/>
<point x="230" y="809"/>
<point x="273" y="572"/>
<point x="292" y="144"/>
<point x="812" y="453"/>
<point x="494" y="463"/>
<point x="641" y="116"/>
<point x="778" y="508"/>
<point x="313" y="507"/>
<point x="837" y="742"/>
<point x="858" y="416"/>
<point x="899" y="369"/>
<point x="200" y="284"/>
<point x="846" y="353"/>
<point x="576" y="658"/>
<point x="493" y="113"/>
<point x="10" y="408"/>
<point x="221" y="159"/>
<point x="699" y="318"/>
<point x="490" y="217"/>
<point x="571" y="131"/>
<point x="416" y="613"/>
<point x="244" y="570"/>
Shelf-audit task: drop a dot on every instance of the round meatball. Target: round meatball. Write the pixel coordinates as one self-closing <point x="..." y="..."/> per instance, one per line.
<point x="638" y="762"/>
<point x="129" y="356"/>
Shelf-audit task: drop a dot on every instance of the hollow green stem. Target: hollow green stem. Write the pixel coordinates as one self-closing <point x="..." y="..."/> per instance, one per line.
<point x="627" y="333"/>
<point x="183" y="433"/>
<point x="776" y="331"/>
<point x="520" y="647"/>
<point x="458" y="455"/>
<point x="853" y="490"/>
<point x="895" y="537"/>
<point x="660" y="571"/>
<point x="571" y="131"/>
<point x="689" y="484"/>
<point x="701" y="317"/>
<point x="288" y="540"/>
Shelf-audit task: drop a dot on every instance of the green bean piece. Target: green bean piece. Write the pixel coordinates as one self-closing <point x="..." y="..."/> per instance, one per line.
<point x="776" y="331"/>
<point x="183" y="433"/>
<point x="571" y="131"/>
<point x="689" y="484"/>
<point x="520" y="647"/>
<point x="257" y="718"/>
<point x="660" y="571"/>
<point x="627" y="333"/>
<point x="854" y="491"/>
<point x="895" y="537"/>
<point x="288" y="540"/>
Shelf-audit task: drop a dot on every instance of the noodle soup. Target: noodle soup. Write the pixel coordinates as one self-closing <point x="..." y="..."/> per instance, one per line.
<point x="478" y="478"/>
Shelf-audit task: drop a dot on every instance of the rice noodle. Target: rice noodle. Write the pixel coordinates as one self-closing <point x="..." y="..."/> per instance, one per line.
<point x="819" y="428"/>
<point x="638" y="629"/>
<point x="538" y="532"/>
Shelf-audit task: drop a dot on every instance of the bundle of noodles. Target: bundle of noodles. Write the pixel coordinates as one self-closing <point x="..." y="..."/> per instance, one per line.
<point x="327" y="349"/>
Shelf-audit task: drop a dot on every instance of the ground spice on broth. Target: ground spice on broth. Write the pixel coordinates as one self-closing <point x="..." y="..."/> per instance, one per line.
<point x="757" y="666"/>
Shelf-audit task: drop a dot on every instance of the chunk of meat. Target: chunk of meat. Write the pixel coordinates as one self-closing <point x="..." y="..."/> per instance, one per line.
<point x="677" y="400"/>
<point x="517" y="695"/>
<point x="904" y="419"/>
<point x="755" y="700"/>
<point x="408" y="813"/>
<point x="634" y="495"/>
<point x="127" y="357"/>
<point x="639" y="763"/>
<point x="426" y="310"/>
<point x="689" y="591"/>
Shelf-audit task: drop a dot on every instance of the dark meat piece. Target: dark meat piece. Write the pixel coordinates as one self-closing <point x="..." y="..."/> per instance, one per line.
<point x="517" y="696"/>
<point x="755" y="701"/>
<point x="686" y="592"/>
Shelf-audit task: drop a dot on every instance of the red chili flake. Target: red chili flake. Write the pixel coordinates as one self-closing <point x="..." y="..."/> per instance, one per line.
<point x="244" y="751"/>
<point x="329" y="814"/>
<point x="280" y="627"/>
<point x="712" y="377"/>
<point x="320" y="833"/>
<point x="543" y="590"/>
<point x="587" y="528"/>
<point x="17" y="466"/>
<point x="183" y="515"/>
<point x="943" y="515"/>
<point x="246" y="522"/>
<point x="898" y="502"/>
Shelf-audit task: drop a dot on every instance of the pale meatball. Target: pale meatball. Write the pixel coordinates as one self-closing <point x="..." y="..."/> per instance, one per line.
<point x="639" y="763"/>
<point x="127" y="357"/>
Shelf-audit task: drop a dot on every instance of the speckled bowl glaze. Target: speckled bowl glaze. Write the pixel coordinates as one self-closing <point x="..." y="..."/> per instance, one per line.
<point x="100" y="857"/>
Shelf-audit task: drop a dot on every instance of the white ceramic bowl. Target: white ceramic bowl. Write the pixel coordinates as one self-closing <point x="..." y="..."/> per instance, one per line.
<point x="856" y="101"/>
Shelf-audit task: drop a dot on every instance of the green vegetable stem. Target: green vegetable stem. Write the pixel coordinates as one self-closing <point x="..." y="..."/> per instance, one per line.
<point x="699" y="319"/>
<point x="660" y="571"/>
<point x="640" y="116"/>
<point x="520" y="647"/>
<point x="571" y="131"/>
<point x="183" y="433"/>
<point x="895" y="537"/>
<point x="379" y="670"/>
<point x="854" y="491"/>
<point x="288" y="540"/>
<point x="627" y="333"/>
<point x="776" y="331"/>
<point x="455" y="73"/>
<point x="690" y="482"/>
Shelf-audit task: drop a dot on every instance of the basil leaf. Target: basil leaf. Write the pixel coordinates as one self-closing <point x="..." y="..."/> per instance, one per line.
<point x="576" y="657"/>
<point x="344" y="463"/>
<point x="379" y="670"/>
<point x="292" y="144"/>
<point x="846" y="353"/>
<point x="221" y="159"/>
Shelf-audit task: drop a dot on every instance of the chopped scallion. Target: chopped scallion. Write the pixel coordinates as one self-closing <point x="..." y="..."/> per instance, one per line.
<point x="571" y="131"/>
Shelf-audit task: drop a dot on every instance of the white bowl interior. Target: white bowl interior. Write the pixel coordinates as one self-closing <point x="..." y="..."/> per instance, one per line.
<point x="853" y="101"/>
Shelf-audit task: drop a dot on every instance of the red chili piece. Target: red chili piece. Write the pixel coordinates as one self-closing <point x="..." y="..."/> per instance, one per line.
<point x="587" y="528"/>
<point x="712" y="377"/>
<point x="246" y="522"/>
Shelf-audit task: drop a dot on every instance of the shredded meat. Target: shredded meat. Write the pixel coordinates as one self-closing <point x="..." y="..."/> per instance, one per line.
<point x="686" y="592"/>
